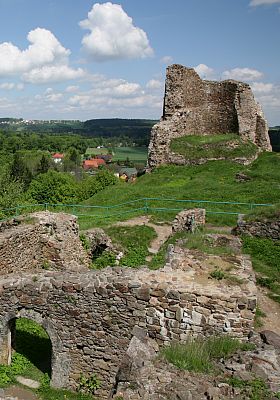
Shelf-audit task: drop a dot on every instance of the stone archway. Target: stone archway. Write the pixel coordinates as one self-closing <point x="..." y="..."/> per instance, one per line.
<point x="60" y="362"/>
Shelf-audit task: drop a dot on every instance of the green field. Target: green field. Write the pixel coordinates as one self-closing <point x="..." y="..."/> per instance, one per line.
<point x="136" y="154"/>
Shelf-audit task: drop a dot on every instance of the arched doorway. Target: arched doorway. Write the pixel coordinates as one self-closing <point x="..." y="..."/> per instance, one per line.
<point x="31" y="340"/>
<point x="60" y="361"/>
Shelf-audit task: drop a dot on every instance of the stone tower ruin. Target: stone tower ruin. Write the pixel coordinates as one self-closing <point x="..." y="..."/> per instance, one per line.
<point x="193" y="106"/>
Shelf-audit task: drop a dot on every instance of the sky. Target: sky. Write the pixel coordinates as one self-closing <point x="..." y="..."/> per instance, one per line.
<point x="69" y="59"/>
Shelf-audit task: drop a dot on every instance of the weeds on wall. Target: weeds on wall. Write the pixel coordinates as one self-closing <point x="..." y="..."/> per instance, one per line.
<point x="198" y="355"/>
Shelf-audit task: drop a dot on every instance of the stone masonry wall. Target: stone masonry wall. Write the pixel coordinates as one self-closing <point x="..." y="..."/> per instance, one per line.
<point x="193" y="106"/>
<point x="189" y="220"/>
<point x="43" y="240"/>
<point x="91" y="317"/>
<point x="264" y="228"/>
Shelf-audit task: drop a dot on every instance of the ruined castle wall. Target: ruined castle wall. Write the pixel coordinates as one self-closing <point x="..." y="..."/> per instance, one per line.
<point x="42" y="241"/>
<point x="193" y="106"/>
<point x="268" y="229"/>
<point x="91" y="317"/>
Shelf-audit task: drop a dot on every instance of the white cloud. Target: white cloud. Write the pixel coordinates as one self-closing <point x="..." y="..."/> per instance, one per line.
<point x="263" y="2"/>
<point x="44" y="49"/>
<point x="154" y="84"/>
<point x="72" y="88"/>
<point x="44" y="60"/>
<point x="116" y="97"/>
<point x="49" y="96"/>
<point x="242" y="74"/>
<point x="126" y="89"/>
<point x="11" y="86"/>
<point x="52" y="73"/>
<point x="270" y="101"/>
<point x="20" y="86"/>
<point x="113" y="35"/>
<point x="166" y="60"/>
<point x="204" y="71"/>
<point x="260" y="87"/>
<point x="7" y="86"/>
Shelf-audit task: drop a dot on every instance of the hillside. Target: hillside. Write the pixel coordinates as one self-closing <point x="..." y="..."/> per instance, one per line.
<point x="137" y="129"/>
<point x="214" y="181"/>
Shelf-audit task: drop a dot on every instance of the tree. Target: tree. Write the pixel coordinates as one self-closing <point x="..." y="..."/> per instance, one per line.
<point x="19" y="171"/>
<point x="44" y="165"/>
<point x="53" y="187"/>
<point x="11" y="191"/>
<point x="72" y="160"/>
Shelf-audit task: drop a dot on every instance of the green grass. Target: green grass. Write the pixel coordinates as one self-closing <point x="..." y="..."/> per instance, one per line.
<point x="195" y="241"/>
<point x="135" y="154"/>
<point x="261" y="213"/>
<point x="211" y="181"/>
<point x="197" y="355"/>
<point x="259" y="314"/>
<point x="229" y="146"/>
<point x="94" y="151"/>
<point x="265" y="254"/>
<point x="255" y="389"/>
<point x="134" y="241"/>
<point x="33" y="343"/>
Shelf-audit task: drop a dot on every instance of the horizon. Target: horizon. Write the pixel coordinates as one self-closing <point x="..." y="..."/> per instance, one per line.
<point x="104" y="60"/>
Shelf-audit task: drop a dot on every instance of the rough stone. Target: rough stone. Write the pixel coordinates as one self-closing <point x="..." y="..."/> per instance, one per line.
<point x="262" y="228"/>
<point x="91" y="316"/>
<point x="196" y="107"/>
<point x="42" y="240"/>
<point x="271" y="337"/>
<point x="189" y="220"/>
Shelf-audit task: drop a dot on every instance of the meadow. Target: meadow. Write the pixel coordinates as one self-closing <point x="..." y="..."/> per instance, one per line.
<point x="134" y="154"/>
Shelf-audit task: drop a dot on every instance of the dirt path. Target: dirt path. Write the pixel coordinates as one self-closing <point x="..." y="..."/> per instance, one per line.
<point x="272" y="311"/>
<point x="18" y="393"/>
<point x="163" y="232"/>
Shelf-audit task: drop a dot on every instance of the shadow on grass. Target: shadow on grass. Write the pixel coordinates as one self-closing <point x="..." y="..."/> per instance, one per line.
<point x="36" y="349"/>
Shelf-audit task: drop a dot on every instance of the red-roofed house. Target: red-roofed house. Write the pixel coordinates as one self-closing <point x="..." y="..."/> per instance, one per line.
<point x="93" y="163"/>
<point x="57" y="157"/>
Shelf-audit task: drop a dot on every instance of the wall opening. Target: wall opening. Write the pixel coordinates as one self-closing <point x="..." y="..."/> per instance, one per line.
<point x="30" y="339"/>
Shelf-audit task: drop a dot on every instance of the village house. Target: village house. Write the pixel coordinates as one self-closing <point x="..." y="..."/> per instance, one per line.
<point x="128" y="174"/>
<point x="93" y="163"/>
<point x="57" y="157"/>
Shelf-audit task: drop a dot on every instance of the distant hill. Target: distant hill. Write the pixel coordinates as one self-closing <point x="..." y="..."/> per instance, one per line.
<point x="138" y="130"/>
<point x="133" y="128"/>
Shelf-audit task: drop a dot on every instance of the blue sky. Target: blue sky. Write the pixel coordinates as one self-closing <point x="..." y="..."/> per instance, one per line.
<point x="69" y="59"/>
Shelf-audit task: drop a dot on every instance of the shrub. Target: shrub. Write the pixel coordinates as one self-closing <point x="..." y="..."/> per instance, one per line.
<point x="90" y="384"/>
<point x="6" y="376"/>
<point x="218" y="274"/>
<point x="106" y="259"/>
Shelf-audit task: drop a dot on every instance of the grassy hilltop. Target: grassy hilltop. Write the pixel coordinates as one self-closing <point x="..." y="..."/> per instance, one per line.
<point x="214" y="181"/>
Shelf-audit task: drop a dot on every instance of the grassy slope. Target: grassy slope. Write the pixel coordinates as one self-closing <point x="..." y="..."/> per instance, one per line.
<point x="212" y="146"/>
<point x="211" y="181"/>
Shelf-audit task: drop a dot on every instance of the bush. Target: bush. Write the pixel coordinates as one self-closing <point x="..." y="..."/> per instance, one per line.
<point x="53" y="187"/>
<point x="106" y="259"/>
<point x="90" y="384"/>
